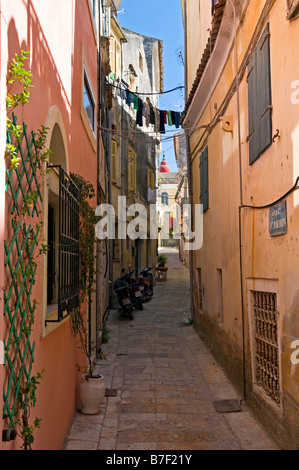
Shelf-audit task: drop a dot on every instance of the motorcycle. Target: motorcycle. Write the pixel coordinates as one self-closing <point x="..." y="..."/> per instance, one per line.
<point x="122" y="290"/>
<point x="146" y="282"/>
<point x="134" y="290"/>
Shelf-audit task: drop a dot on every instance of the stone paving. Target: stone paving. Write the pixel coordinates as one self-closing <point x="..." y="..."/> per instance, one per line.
<point x="166" y="383"/>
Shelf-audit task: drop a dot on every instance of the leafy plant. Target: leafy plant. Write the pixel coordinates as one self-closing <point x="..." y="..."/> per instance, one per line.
<point x="19" y="82"/>
<point x="87" y="271"/>
<point x="105" y="333"/>
<point x="162" y="259"/>
<point x="26" y="400"/>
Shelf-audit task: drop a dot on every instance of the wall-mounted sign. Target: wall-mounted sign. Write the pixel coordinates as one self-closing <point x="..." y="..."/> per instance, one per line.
<point x="278" y="223"/>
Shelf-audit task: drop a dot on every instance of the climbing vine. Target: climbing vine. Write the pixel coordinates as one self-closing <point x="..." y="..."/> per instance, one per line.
<point x="87" y="272"/>
<point x="25" y="158"/>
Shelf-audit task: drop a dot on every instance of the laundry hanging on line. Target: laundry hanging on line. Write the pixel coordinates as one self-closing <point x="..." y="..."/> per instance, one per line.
<point x="159" y="118"/>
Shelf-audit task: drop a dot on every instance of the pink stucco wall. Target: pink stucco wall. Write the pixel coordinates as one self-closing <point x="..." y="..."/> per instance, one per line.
<point x="53" y="32"/>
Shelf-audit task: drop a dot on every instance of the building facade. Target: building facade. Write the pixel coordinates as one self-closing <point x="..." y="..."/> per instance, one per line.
<point x="135" y="82"/>
<point x="167" y="206"/>
<point x="39" y="207"/>
<point x="241" y="117"/>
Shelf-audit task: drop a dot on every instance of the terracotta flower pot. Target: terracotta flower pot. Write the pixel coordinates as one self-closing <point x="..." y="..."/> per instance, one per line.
<point x="91" y="394"/>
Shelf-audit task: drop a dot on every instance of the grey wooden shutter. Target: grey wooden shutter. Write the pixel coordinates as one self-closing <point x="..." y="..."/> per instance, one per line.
<point x="259" y="98"/>
<point x="254" y="130"/>
<point x="264" y="88"/>
<point x="201" y="178"/>
<point x="204" y="179"/>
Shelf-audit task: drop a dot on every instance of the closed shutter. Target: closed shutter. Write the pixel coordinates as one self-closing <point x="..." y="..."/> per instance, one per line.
<point x="132" y="171"/>
<point x="204" y="179"/>
<point x="254" y="129"/>
<point x="259" y="98"/>
<point x="265" y="99"/>
<point x="113" y="161"/>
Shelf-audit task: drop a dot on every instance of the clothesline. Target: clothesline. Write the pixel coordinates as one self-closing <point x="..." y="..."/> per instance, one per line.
<point x="153" y="115"/>
<point x="180" y="87"/>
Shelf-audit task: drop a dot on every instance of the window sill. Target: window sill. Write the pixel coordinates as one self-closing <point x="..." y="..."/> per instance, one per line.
<point x="52" y="314"/>
<point x="89" y="130"/>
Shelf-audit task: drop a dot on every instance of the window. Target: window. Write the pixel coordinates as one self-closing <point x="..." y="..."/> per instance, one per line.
<point x="199" y="288"/>
<point x="259" y="98"/>
<point x="213" y="6"/>
<point x="89" y="102"/>
<point x="150" y="179"/>
<point x="63" y="241"/>
<point x="112" y="54"/>
<point x="113" y="161"/>
<point x="115" y="56"/>
<point x="132" y="171"/>
<point x="266" y="350"/>
<point x="204" y="179"/>
<point x="220" y="296"/>
<point x="94" y="9"/>
<point x="164" y="199"/>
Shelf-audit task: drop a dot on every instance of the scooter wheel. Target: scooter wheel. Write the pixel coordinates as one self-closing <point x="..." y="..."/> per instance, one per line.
<point x="140" y="304"/>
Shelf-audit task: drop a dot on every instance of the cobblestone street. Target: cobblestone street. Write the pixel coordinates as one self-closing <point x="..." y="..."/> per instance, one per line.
<point x="166" y="383"/>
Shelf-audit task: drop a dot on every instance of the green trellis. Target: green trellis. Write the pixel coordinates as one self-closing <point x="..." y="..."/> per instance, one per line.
<point x="23" y="196"/>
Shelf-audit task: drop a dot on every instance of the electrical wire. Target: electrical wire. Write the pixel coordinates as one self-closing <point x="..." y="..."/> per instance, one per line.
<point x="271" y="204"/>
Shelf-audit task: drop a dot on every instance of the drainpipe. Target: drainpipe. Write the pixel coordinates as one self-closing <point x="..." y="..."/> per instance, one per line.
<point x="241" y="200"/>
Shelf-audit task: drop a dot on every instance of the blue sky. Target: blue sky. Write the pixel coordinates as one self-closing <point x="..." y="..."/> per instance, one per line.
<point x="161" y="19"/>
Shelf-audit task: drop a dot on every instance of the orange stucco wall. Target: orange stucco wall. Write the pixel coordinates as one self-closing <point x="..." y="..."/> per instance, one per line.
<point x="54" y="33"/>
<point x="266" y="261"/>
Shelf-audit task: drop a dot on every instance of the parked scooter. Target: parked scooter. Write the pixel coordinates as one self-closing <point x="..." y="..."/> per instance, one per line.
<point x="122" y="289"/>
<point x="146" y="282"/>
<point x="135" y="293"/>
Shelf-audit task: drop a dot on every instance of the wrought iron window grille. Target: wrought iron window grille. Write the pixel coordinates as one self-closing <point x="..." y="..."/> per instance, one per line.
<point x="267" y="362"/>
<point x="68" y="246"/>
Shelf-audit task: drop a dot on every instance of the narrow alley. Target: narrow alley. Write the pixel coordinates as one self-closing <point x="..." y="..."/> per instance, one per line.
<point x="166" y="384"/>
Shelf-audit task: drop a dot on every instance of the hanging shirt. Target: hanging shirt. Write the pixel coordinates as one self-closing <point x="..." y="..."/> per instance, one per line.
<point x="173" y="117"/>
<point x="157" y="120"/>
<point x="177" y="119"/>
<point x="139" y="113"/>
<point x="162" y="122"/>
<point x="136" y="102"/>
<point x="165" y="117"/>
<point x="152" y="115"/>
<point x="129" y="97"/>
<point x="169" y="118"/>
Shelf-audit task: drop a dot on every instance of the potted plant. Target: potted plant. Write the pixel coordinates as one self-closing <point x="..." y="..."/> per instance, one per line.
<point x="162" y="260"/>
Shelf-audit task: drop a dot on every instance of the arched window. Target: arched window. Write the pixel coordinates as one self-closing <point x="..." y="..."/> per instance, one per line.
<point x="164" y="199"/>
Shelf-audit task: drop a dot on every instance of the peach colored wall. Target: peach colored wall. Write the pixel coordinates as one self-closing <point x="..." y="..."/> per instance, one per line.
<point x="198" y="23"/>
<point x="272" y="175"/>
<point x="54" y="32"/>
